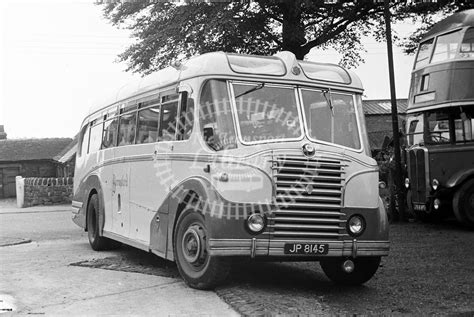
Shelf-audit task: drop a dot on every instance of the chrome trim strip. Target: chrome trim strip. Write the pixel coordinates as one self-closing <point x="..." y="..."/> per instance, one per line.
<point x="75" y="210"/>
<point x="77" y="204"/>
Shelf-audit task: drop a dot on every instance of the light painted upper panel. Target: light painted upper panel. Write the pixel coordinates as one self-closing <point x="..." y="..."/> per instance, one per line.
<point x="283" y="65"/>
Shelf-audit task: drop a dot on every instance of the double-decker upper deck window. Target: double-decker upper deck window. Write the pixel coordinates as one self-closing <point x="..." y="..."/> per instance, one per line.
<point x="266" y="113"/>
<point x="446" y="47"/>
<point x="467" y="46"/>
<point x="331" y="117"/>
<point x="424" y="52"/>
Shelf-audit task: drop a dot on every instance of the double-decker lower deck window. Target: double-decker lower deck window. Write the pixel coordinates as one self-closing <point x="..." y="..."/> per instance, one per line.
<point x="464" y="124"/>
<point x="438" y="127"/>
<point x="415" y="129"/>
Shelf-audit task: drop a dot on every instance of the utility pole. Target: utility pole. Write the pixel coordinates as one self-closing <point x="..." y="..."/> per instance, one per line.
<point x="396" y="137"/>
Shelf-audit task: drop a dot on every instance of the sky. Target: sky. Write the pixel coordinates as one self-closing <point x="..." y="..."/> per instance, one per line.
<point x="59" y="57"/>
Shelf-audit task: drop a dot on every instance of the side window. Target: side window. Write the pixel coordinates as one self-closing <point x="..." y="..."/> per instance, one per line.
<point x="438" y="127"/>
<point x="148" y="124"/>
<point x="186" y="117"/>
<point x="215" y="116"/>
<point x="168" y="122"/>
<point x="127" y="129"/>
<point x="467" y="46"/>
<point x="110" y="133"/>
<point x="424" y="52"/>
<point x="415" y="129"/>
<point x="95" y="137"/>
<point x="446" y="47"/>
<point x="83" y="141"/>
<point x="464" y="124"/>
<point x="169" y="113"/>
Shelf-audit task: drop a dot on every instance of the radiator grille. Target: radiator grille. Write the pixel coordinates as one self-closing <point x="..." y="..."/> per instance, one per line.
<point x="308" y="198"/>
<point x="417" y="175"/>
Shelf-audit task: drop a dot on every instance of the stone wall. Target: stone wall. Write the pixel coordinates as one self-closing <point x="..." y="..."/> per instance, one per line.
<point x="47" y="191"/>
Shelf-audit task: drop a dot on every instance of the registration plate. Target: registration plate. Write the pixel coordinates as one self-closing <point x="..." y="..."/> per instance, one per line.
<point x="419" y="207"/>
<point x="306" y="248"/>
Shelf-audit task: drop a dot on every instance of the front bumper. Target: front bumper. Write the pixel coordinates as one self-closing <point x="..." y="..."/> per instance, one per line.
<point x="275" y="248"/>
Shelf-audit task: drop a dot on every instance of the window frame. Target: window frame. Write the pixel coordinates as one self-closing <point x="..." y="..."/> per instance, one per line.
<point x="354" y="100"/>
<point x="230" y="89"/>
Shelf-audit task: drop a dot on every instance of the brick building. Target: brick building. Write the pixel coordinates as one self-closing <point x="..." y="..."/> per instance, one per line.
<point x="378" y="117"/>
<point x="28" y="158"/>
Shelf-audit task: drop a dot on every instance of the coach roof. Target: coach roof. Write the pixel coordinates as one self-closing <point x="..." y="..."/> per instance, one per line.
<point x="223" y="64"/>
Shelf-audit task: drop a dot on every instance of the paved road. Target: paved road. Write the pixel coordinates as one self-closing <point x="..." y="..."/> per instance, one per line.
<point x="37" y="278"/>
<point x="430" y="271"/>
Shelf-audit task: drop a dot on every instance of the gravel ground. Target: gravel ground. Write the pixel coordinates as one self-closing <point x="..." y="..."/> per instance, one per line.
<point x="430" y="271"/>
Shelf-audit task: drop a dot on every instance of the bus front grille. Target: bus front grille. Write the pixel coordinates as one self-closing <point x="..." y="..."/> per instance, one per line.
<point x="308" y="197"/>
<point x="417" y="174"/>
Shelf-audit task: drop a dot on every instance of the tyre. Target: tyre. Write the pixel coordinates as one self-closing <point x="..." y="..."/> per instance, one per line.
<point x="198" y="268"/>
<point x="364" y="269"/>
<point x="463" y="203"/>
<point x="97" y="242"/>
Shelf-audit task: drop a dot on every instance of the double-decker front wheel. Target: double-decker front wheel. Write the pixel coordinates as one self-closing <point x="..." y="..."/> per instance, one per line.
<point x="463" y="203"/>
<point x="363" y="270"/>
<point x="197" y="267"/>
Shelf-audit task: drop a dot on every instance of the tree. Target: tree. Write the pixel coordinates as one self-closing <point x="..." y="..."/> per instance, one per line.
<point x="165" y="31"/>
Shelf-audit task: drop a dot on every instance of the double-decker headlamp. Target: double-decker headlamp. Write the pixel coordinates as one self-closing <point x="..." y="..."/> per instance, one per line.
<point x="407" y="183"/>
<point x="356" y="225"/>
<point x="435" y="184"/>
<point x="256" y="223"/>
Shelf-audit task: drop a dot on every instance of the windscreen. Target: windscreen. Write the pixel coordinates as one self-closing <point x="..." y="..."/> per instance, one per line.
<point x="415" y="129"/>
<point x="266" y="112"/>
<point x="331" y="117"/>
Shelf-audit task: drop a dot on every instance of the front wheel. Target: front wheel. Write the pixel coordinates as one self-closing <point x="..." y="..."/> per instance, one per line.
<point x="364" y="269"/>
<point x="197" y="267"/>
<point x="97" y="242"/>
<point x="463" y="203"/>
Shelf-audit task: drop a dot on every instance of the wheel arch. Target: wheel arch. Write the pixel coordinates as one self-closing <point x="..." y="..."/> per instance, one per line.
<point x="92" y="186"/>
<point x="188" y="191"/>
<point x="192" y="191"/>
<point x="460" y="177"/>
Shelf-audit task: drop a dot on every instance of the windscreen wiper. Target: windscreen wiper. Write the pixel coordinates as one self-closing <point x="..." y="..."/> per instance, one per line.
<point x="329" y="100"/>
<point x="259" y="86"/>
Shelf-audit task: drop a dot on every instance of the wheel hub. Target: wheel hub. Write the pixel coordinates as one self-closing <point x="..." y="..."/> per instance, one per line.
<point x="192" y="244"/>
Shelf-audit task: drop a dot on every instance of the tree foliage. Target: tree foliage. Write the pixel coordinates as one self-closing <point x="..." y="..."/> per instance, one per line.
<point x="165" y="31"/>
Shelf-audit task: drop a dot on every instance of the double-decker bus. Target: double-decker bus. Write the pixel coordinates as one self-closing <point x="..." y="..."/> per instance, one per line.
<point x="440" y="122"/>
<point x="226" y="156"/>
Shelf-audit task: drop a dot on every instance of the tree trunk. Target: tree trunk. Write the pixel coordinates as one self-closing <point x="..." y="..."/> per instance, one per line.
<point x="293" y="33"/>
